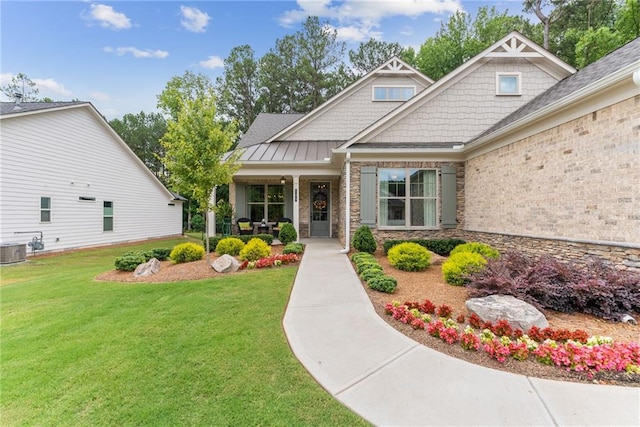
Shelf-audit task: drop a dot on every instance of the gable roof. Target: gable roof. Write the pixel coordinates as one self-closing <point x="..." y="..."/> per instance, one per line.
<point x="7" y="108"/>
<point x="8" y="111"/>
<point x="394" y="66"/>
<point x="620" y="59"/>
<point x="513" y="45"/>
<point x="265" y="126"/>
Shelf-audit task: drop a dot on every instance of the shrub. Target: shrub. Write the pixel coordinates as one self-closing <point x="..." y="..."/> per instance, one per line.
<point x="383" y="283"/>
<point x="230" y="246"/>
<point x="293" y="248"/>
<point x="362" y="256"/>
<point x="370" y="273"/>
<point x="254" y="250"/>
<point x="287" y="233"/>
<point x="545" y="282"/>
<point x="186" y="252"/>
<point x="213" y="242"/>
<point x="477" y="248"/>
<point x="363" y="240"/>
<point x="197" y="223"/>
<point x="440" y="246"/>
<point x="459" y="266"/>
<point x="161" y="254"/>
<point x="409" y="257"/>
<point x="369" y="265"/>
<point x="130" y="260"/>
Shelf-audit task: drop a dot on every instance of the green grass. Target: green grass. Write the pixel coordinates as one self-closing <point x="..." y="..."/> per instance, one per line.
<point x="211" y="352"/>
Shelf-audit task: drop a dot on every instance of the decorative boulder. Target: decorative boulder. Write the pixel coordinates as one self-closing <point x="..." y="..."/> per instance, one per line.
<point x="147" y="269"/>
<point x="437" y="259"/>
<point x="226" y="264"/>
<point x="519" y="314"/>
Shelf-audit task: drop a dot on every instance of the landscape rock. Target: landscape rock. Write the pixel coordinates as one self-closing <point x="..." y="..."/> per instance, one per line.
<point x="627" y="318"/>
<point x="519" y="314"/>
<point x="226" y="264"/>
<point x="437" y="259"/>
<point x="147" y="269"/>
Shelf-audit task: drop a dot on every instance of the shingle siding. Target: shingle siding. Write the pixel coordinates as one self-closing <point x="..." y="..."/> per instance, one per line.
<point x="352" y="114"/>
<point x="469" y="106"/>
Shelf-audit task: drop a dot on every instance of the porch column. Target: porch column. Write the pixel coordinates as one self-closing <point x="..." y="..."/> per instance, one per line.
<point x="211" y="215"/>
<point x="296" y="204"/>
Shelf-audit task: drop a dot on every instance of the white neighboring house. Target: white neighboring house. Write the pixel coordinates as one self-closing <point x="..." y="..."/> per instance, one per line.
<point x="66" y="173"/>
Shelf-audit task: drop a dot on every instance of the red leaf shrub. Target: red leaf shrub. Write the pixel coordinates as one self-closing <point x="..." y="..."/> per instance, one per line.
<point x="444" y="311"/>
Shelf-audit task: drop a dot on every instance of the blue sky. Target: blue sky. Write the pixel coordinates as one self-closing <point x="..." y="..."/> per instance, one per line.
<point x="119" y="55"/>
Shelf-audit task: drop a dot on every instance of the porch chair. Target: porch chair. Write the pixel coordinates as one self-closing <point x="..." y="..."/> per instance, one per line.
<point x="245" y="226"/>
<point x="278" y="225"/>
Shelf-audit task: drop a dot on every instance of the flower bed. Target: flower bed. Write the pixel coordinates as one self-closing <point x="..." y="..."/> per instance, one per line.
<point x="270" y="261"/>
<point x="572" y="350"/>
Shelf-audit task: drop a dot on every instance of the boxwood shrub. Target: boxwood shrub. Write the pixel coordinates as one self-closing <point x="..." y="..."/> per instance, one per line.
<point x="383" y="283"/>
<point x="370" y="273"/>
<point x="287" y="233"/>
<point x="214" y="240"/>
<point x="255" y="249"/>
<point x="229" y="246"/>
<point x="441" y="247"/>
<point x="458" y="267"/>
<point x="409" y="257"/>
<point x="293" y="248"/>
<point x="186" y="252"/>
<point x="130" y="260"/>
<point x="478" y="248"/>
<point x="363" y="240"/>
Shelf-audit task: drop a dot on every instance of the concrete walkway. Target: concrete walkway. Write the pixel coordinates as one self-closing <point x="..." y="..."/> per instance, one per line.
<point x="390" y="379"/>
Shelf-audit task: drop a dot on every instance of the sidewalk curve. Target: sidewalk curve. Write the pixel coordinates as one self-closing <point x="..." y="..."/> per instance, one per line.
<point x="391" y="380"/>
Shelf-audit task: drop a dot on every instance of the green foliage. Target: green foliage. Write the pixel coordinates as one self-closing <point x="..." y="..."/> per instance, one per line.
<point x="287" y="234"/>
<point x="594" y="44"/>
<point x="230" y="246"/>
<point x="478" y="248"/>
<point x="130" y="260"/>
<point x="293" y="248"/>
<point x="409" y="257"/>
<point x="363" y="240"/>
<point x="361" y="256"/>
<point x="367" y="265"/>
<point x="186" y="252"/>
<point x="460" y="265"/>
<point x="370" y="273"/>
<point x="197" y="223"/>
<point x="254" y="250"/>
<point x="214" y="240"/>
<point x="223" y="209"/>
<point x="372" y="54"/>
<point x="439" y="246"/>
<point x="23" y="85"/>
<point x="383" y="283"/>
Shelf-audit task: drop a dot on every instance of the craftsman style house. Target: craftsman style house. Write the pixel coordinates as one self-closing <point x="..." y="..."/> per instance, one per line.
<point x="69" y="181"/>
<point x="514" y="148"/>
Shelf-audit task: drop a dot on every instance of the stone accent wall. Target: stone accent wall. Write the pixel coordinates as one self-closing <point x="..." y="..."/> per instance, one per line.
<point x="578" y="181"/>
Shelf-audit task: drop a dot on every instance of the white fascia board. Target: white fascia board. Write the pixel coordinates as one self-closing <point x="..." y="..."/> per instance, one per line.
<point x="45" y="110"/>
<point x="567" y="101"/>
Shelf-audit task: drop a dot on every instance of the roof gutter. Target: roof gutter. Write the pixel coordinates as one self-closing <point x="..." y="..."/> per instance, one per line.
<point x="562" y="102"/>
<point x="347" y="208"/>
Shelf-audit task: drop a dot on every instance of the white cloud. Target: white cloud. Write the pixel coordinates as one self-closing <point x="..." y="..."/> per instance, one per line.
<point x="5" y="78"/>
<point x="212" y="62"/>
<point x="193" y="19"/>
<point x="107" y="17"/>
<point x="358" y="19"/>
<point x="407" y="30"/>
<point x="99" y="96"/>
<point x="51" y="86"/>
<point x="137" y="53"/>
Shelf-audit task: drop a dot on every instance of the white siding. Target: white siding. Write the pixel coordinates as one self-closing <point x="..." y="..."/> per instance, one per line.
<point x="468" y="106"/>
<point x="353" y="113"/>
<point x="68" y="154"/>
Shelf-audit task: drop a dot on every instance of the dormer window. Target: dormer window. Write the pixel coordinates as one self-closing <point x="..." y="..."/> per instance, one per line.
<point x="393" y="93"/>
<point x="508" y="84"/>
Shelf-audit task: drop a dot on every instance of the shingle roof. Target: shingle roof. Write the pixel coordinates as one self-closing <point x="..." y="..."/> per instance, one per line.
<point x="23" y="107"/>
<point x="265" y="126"/>
<point x="616" y="60"/>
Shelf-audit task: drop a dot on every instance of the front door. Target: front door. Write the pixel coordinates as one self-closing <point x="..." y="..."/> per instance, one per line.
<point x="320" y="209"/>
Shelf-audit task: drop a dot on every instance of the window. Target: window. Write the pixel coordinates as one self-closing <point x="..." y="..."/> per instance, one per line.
<point x="393" y="93"/>
<point x="508" y="84"/>
<point x="107" y="216"/>
<point x="407" y="198"/>
<point x="45" y="209"/>
<point x="265" y="201"/>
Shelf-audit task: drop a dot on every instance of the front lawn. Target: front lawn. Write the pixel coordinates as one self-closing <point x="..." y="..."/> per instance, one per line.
<point x="211" y="352"/>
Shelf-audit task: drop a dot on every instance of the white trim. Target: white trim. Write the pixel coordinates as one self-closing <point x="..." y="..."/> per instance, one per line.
<point x="517" y="75"/>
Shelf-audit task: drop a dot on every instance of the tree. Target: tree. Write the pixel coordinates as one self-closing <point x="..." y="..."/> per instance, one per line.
<point x="195" y="144"/>
<point x="462" y="37"/>
<point x="278" y="80"/>
<point x="22" y="88"/>
<point x="628" y="20"/>
<point x="372" y="54"/>
<point x="594" y="44"/>
<point x="538" y="7"/>
<point x="180" y="89"/>
<point x="238" y="89"/>
<point x="142" y="133"/>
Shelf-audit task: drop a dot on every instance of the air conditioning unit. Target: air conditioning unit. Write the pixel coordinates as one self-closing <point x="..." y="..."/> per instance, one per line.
<point x="12" y="252"/>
